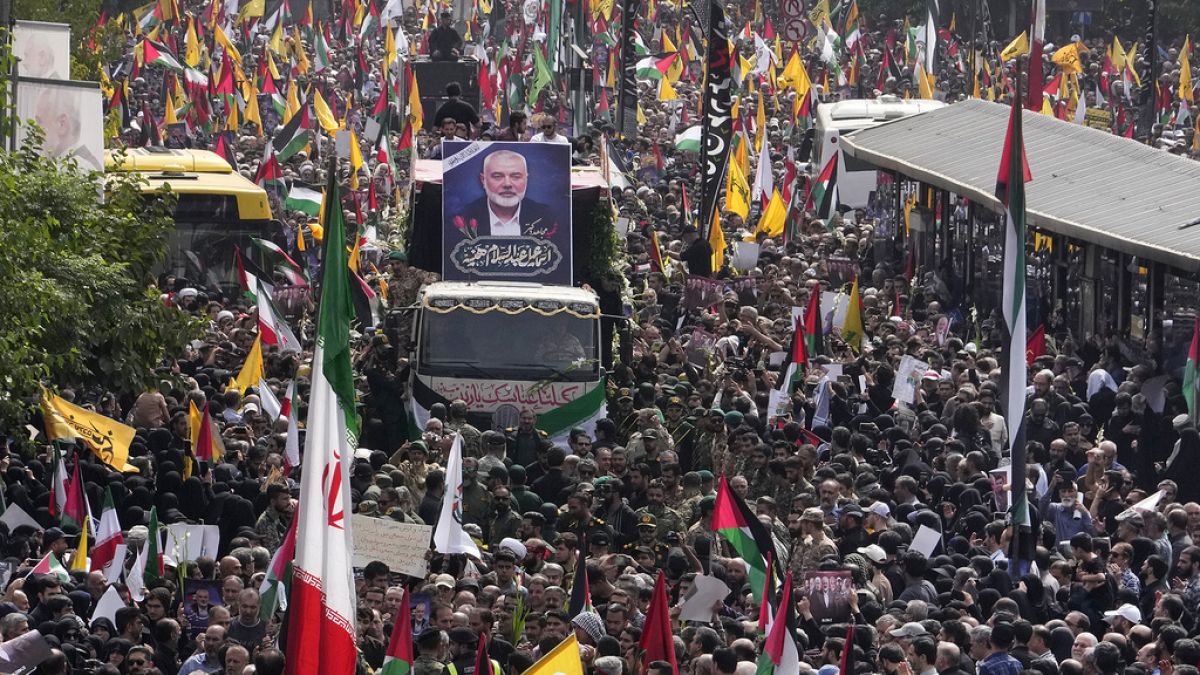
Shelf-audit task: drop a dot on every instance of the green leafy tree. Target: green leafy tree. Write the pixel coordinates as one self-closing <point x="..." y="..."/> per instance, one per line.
<point x="78" y="307"/>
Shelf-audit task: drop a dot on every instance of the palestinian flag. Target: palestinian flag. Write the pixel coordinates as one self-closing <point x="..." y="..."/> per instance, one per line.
<point x="823" y="198"/>
<point x="276" y="258"/>
<point x="745" y="532"/>
<point x="814" y="332"/>
<point x="291" y="138"/>
<point x="581" y="597"/>
<point x="269" y="175"/>
<point x="155" y="54"/>
<point x="1011" y="177"/>
<point x="797" y="356"/>
<point x="303" y="199"/>
<point x="399" y="657"/>
<point x="275" y="585"/>
<point x="1190" y="379"/>
<point x="779" y="651"/>
<point x="51" y="565"/>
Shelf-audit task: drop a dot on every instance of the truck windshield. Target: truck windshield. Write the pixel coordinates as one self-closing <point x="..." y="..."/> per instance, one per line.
<point x="495" y="345"/>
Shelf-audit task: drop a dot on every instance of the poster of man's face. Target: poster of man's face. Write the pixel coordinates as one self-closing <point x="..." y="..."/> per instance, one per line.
<point x="70" y="115"/>
<point x="506" y="211"/>
<point x="42" y="49"/>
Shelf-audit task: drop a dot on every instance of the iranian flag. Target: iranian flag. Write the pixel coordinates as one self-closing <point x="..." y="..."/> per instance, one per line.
<point x="745" y="532"/>
<point x="75" y="509"/>
<point x="291" y="447"/>
<point x="58" y="495"/>
<point x="321" y="620"/>
<point x="1010" y="190"/>
<point x="51" y="565"/>
<point x="1190" y="379"/>
<point x="108" y="539"/>
<point x="399" y="658"/>
<point x="272" y="327"/>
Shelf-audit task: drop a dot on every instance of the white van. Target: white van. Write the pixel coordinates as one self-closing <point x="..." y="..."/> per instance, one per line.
<point x="856" y="179"/>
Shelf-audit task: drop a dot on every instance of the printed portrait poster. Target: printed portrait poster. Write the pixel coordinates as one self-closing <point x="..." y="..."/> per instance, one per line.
<point x="70" y="115"/>
<point x="829" y="595"/>
<point x="506" y="212"/>
<point x="42" y="49"/>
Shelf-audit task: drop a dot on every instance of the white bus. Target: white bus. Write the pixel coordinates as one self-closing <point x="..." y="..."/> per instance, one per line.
<point x="856" y="179"/>
<point x="506" y="346"/>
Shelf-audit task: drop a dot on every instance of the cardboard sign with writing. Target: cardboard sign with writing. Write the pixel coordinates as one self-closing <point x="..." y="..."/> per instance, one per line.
<point x="401" y="545"/>
<point x="1098" y="118"/>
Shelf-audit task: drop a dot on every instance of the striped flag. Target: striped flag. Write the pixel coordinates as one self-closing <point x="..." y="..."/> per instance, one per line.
<point x="734" y="521"/>
<point x="1190" y="379"/>
<point x="1010" y="190"/>
<point x="108" y="538"/>
<point x="321" y="626"/>
<point x="399" y="657"/>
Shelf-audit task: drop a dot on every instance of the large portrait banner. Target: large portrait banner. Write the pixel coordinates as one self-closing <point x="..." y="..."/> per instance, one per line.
<point x="506" y="212"/>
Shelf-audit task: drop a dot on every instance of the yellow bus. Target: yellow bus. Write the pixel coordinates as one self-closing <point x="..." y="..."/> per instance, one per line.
<point x="217" y="209"/>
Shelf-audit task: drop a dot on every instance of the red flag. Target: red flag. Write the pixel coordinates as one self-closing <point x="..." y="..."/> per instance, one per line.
<point x="847" y="649"/>
<point x="657" y="638"/>
<point x="1036" y="346"/>
<point x="481" y="657"/>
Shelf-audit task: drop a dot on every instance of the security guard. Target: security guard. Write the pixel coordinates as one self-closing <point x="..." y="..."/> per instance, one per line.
<point x="429" y="643"/>
<point x="647" y="538"/>
<point x="464" y="644"/>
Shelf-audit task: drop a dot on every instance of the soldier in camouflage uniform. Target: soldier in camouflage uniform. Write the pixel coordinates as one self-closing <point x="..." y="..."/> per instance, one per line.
<point x="690" y="509"/>
<point x="710" y="441"/>
<point x="647" y="537"/>
<point x="402" y="283"/>
<point x="810" y="542"/>
<point x="472" y="438"/>
<point x="667" y="520"/>
<point x="683" y="434"/>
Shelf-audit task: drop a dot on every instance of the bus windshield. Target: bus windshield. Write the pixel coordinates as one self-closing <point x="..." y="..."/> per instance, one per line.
<point x="495" y="345"/>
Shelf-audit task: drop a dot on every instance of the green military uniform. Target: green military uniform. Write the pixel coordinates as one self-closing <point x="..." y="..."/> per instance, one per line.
<point x="477" y="503"/>
<point x="501" y="526"/>
<point x="807" y="553"/>
<point x="527" y="500"/>
<point x="668" y="520"/>
<point x="659" y="549"/>
<point x="427" y="665"/>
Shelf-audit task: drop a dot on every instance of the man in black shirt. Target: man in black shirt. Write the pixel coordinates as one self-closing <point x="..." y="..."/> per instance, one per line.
<point x="445" y="44"/>
<point x="697" y="253"/>
<point x="457" y="109"/>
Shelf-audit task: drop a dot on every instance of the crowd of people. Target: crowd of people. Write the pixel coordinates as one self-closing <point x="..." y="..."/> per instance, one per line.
<point x="843" y="479"/>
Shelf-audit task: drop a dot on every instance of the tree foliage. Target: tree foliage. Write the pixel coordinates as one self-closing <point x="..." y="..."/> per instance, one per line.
<point x="77" y="307"/>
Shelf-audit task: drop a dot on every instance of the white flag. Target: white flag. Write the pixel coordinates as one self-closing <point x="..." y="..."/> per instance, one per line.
<point x="449" y="536"/>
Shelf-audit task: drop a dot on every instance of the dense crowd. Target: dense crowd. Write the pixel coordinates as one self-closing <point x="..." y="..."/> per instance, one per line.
<point x="842" y="481"/>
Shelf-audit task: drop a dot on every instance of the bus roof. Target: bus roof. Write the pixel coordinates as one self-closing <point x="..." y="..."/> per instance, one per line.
<point x="508" y="289"/>
<point x="166" y="159"/>
<point x="859" y="113"/>
<point x="194" y="172"/>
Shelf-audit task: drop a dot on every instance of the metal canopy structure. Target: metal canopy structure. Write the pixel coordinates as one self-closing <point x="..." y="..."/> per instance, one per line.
<point x="1087" y="184"/>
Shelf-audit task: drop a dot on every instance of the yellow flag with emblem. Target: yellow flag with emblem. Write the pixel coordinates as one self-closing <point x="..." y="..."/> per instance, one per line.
<point x="252" y="370"/>
<point x="106" y="438"/>
<point x="665" y="91"/>
<point x="775" y="217"/>
<point x="716" y="239"/>
<point x="324" y="114"/>
<point x="222" y="39"/>
<point x="191" y="44"/>
<point x="737" y="194"/>
<point x="1067" y="58"/>
<point x="356" y="165"/>
<point x="1018" y="47"/>
<point x="760" y="123"/>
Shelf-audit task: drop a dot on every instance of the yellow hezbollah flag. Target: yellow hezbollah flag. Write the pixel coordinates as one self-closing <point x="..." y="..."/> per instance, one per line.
<point x="191" y="53"/>
<point x="252" y="371"/>
<point x="760" y="123"/>
<point x="324" y="114"/>
<point x="1067" y="58"/>
<point x="356" y="165"/>
<point x="562" y="660"/>
<point x="222" y="39"/>
<point x="1185" y="71"/>
<point x="1018" y="47"/>
<point x="773" y="219"/>
<point x="195" y="419"/>
<point x="852" y="327"/>
<point x="107" y="438"/>
<point x="716" y="239"/>
<point x="737" y="196"/>
<point x="79" y="561"/>
<point x="665" y="91"/>
<point x="252" y="9"/>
